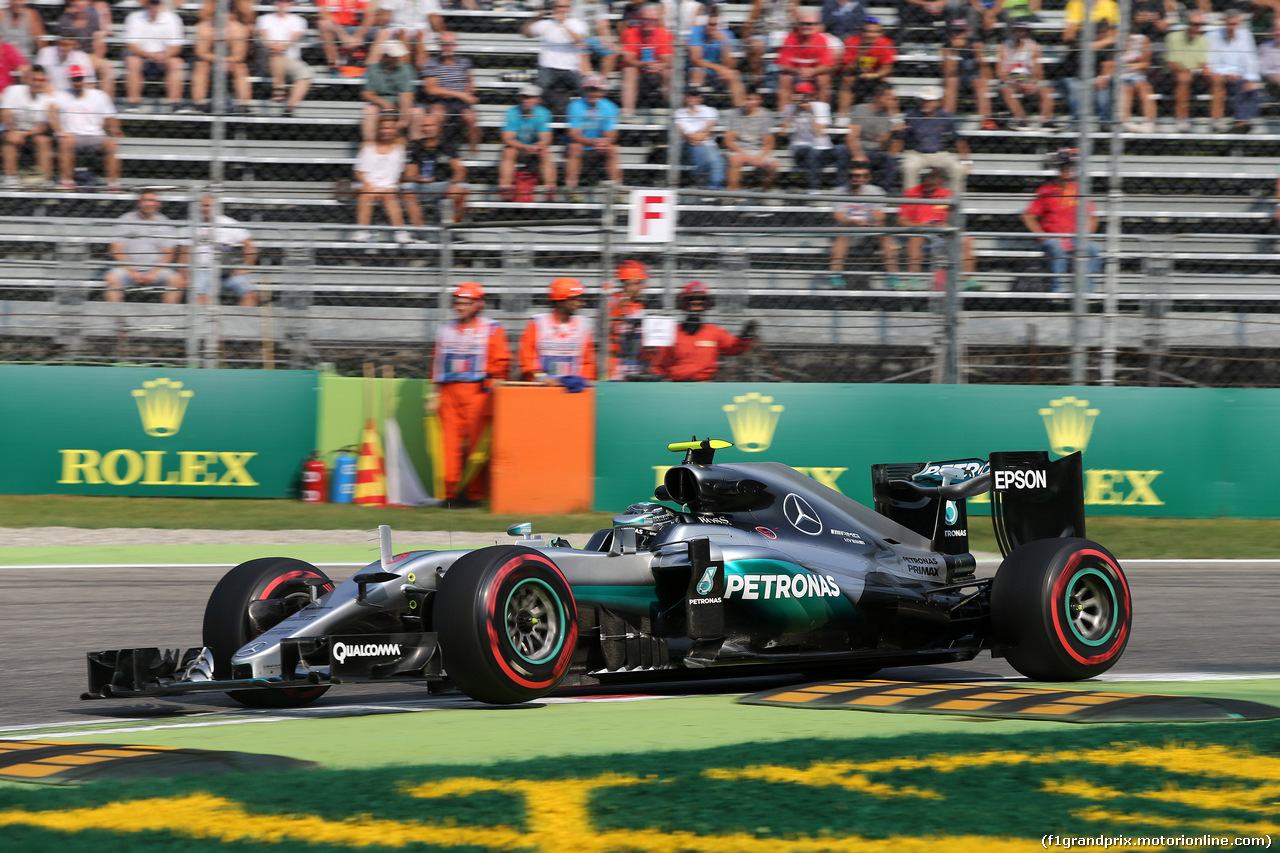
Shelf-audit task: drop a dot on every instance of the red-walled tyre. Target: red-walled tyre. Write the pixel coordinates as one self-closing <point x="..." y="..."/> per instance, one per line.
<point x="507" y="624"/>
<point x="228" y="625"/>
<point x="1061" y="608"/>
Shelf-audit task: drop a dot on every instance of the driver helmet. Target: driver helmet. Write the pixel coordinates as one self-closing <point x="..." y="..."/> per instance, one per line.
<point x="694" y="288"/>
<point x="1064" y="157"/>
<point x="646" y="514"/>
<point x="564" y="288"/>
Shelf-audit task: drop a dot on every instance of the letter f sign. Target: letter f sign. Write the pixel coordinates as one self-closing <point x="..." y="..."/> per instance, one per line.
<point x="651" y="216"/>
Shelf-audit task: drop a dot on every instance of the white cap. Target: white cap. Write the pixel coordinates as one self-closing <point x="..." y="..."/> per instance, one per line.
<point x="530" y="90"/>
<point x="394" y="49"/>
<point x="931" y="93"/>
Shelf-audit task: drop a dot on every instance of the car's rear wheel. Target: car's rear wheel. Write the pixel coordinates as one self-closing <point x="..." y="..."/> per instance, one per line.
<point x="507" y="624"/>
<point x="249" y="600"/>
<point x="1061" y="609"/>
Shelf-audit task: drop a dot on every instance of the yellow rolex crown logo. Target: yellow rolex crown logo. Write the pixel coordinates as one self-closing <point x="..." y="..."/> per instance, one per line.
<point x="1069" y="422"/>
<point x="161" y="404"/>
<point x="753" y="418"/>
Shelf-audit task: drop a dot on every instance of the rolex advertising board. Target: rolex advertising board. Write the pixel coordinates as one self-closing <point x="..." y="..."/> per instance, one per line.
<point x="155" y="431"/>
<point x="1147" y="451"/>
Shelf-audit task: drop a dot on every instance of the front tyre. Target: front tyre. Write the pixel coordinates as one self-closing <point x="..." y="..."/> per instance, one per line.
<point x="250" y="599"/>
<point x="507" y="624"/>
<point x="1062" y="610"/>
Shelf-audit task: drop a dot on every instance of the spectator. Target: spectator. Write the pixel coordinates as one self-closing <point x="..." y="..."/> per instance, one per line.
<point x="1053" y="212"/>
<point x="861" y="214"/>
<point x="388" y="90"/>
<point x="601" y="47"/>
<point x="471" y="353"/>
<point x="964" y="63"/>
<point x="57" y="59"/>
<point x="279" y="34"/>
<point x="236" y="255"/>
<point x="870" y="135"/>
<point x="679" y="16"/>
<point x="922" y="21"/>
<point x="927" y="133"/>
<point x="1233" y="67"/>
<point x="985" y="17"/>
<point x="526" y="140"/>
<point x="1069" y="70"/>
<point x="411" y="22"/>
<point x="1073" y="17"/>
<point x="29" y="116"/>
<point x="1152" y="18"/>
<point x="1135" y="62"/>
<point x="626" y="320"/>
<point x="934" y="216"/>
<point x="344" y="32"/>
<point x="89" y="128"/>
<point x="153" y="38"/>
<point x="766" y="28"/>
<point x="868" y="61"/>
<point x="379" y="167"/>
<point x="749" y="139"/>
<point x="449" y="91"/>
<point x="91" y="28"/>
<point x="236" y="34"/>
<point x="1020" y="70"/>
<point x="1269" y="60"/>
<point x="558" y="347"/>
<point x="563" y="38"/>
<point x="805" y="58"/>
<point x="22" y="27"/>
<point x="435" y="171"/>
<point x="143" y="244"/>
<point x="646" y="61"/>
<point x="711" y="58"/>
<point x="13" y="65"/>
<point x="697" y="122"/>
<point x="593" y="136"/>
<point x="843" y="18"/>
<point x="695" y="357"/>
<point x="807" y="120"/>
<point x="1186" y="57"/>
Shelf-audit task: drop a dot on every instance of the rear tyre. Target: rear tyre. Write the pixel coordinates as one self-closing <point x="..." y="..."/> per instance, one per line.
<point x="228" y="626"/>
<point x="1061" y="608"/>
<point x="507" y="624"/>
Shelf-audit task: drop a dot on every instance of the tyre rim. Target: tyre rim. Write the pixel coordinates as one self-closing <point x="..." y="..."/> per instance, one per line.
<point x="535" y="620"/>
<point x="1091" y="607"/>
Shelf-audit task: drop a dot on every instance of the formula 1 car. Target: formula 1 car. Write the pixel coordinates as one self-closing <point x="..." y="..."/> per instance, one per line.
<point x="760" y="568"/>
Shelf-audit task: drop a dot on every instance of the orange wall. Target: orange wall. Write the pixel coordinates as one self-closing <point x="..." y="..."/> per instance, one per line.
<point x="543" y="450"/>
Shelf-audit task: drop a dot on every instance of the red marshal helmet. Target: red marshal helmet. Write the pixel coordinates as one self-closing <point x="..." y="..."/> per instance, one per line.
<point x="469" y="290"/>
<point x="628" y="270"/>
<point x="564" y="288"/>
<point x="691" y="290"/>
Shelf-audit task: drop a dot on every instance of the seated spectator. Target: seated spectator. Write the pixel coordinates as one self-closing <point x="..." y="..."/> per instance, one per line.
<point x="1100" y="10"/>
<point x="435" y="171"/>
<point x="872" y="126"/>
<point x="1020" y="70"/>
<point x="923" y="21"/>
<point x="57" y="59"/>
<point x="413" y="23"/>
<point x="964" y="63"/>
<point x="807" y="120"/>
<point x="868" y="61"/>
<point x="1135" y="64"/>
<point x="766" y="28"/>
<point x="749" y="139"/>
<point x="934" y="215"/>
<point x="711" y="48"/>
<point x="697" y="122"/>
<point x="279" y="35"/>
<point x="1067" y="73"/>
<point x="90" y="128"/>
<point x="558" y="347"/>
<point x="153" y="39"/>
<point x="91" y="30"/>
<point x="1269" y="61"/>
<point x="843" y="18"/>
<point x="143" y="245"/>
<point x="29" y="117"/>
<point x="13" y="65"/>
<point x="379" y="167"/>
<point x="526" y="140"/>
<point x="927" y="133"/>
<point x="601" y="50"/>
<point x="22" y="27"/>
<point x="695" y="356"/>
<point x="805" y="58"/>
<point x="593" y="136"/>
<point x="1152" y="18"/>
<point x="1053" y="212"/>
<point x="344" y="32"/>
<point x="985" y="18"/>
<point x="236" y="256"/>
<point x="563" y="38"/>
<point x="1186" y="58"/>
<point x="388" y="90"/>
<point x="647" y="50"/>
<point x="236" y="34"/>
<point x="861" y="214"/>
<point x="449" y="91"/>
<point x="1233" y="66"/>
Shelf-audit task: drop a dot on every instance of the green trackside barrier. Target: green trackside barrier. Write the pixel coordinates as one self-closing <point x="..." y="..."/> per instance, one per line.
<point x="1174" y="452"/>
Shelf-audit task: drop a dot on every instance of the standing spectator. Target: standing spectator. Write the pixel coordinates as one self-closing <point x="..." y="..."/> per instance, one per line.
<point x="57" y="59"/>
<point x="388" y="90"/>
<point x="236" y="255"/>
<point x="593" y="136"/>
<point x="805" y="58"/>
<point x="1269" y="60"/>
<point x="526" y="140"/>
<point x="766" y="28"/>
<point x="626" y="321"/>
<point x="143" y="244"/>
<point x="697" y="123"/>
<point x="449" y="91"/>
<point x="378" y="169"/>
<point x="1186" y="58"/>
<point x="279" y="34"/>
<point x="29" y="116"/>
<point x="558" y="347"/>
<point x="861" y="214"/>
<point x="695" y="356"/>
<point x="89" y="128"/>
<point x="964" y="63"/>
<point x="13" y="65"/>
<point x="344" y="32"/>
<point x="236" y="34"/>
<point x="22" y="27"/>
<point x="923" y="20"/>
<point x="647" y="50"/>
<point x="1233" y="68"/>
<point x="470" y="354"/>
<point x="749" y="139"/>
<point x="868" y="61"/>
<point x="870" y="135"/>
<point x="1135" y="62"/>
<point x="711" y="48"/>
<point x="153" y="39"/>
<point x="934" y="215"/>
<point x="1053" y="212"/>
<point x="1020" y="70"/>
<point x="927" y="134"/>
<point x="435" y="171"/>
<point x="92" y="29"/>
<point x="563" y="40"/>
<point x="843" y="18"/>
<point x="808" y="120"/>
<point x="410" y="22"/>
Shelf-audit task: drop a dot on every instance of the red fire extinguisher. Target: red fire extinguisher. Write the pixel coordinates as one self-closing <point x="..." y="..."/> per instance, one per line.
<point x="313" y="479"/>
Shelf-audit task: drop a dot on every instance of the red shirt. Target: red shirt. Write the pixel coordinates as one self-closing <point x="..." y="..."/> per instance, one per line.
<point x="696" y="358"/>
<point x="878" y="56"/>
<point x="801" y="52"/>
<point x="658" y="41"/>
<point x="925" y="214"/>
<point x="348" y="13"/>
<point x="1054" y="207"/>
<point x="11" y="59"/>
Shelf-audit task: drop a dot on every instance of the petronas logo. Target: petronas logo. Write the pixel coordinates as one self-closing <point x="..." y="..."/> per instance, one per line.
<point x="1069" y="422"/>
<point x="161" y="405"/>
<point x="753" y="418"/>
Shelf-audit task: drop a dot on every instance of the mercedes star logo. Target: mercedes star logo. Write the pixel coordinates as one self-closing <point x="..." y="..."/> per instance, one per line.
<point x="801" y="515"/>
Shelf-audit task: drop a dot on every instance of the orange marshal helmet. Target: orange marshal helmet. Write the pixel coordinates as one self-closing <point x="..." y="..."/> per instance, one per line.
<point x="564" y="288"/>
<point x="469" y="290"/>
<point x="628" y="270"/>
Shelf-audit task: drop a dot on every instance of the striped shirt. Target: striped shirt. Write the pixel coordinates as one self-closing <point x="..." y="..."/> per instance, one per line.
<point x="453" y="76"/>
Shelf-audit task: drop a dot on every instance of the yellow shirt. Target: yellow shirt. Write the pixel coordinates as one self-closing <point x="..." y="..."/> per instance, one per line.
<point x="1102" y="10"/>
